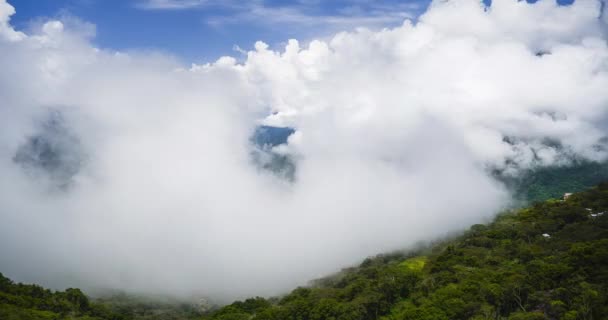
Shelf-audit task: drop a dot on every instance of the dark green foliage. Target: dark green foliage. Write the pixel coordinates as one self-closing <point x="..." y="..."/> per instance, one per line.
<point x="505" y="270"/>
<point x="31" y="302"/>
<point x="545" y="183"/>
<point x="365" y="292"/>
<point x="133" y="307"/>
<point x="21" y="301"/>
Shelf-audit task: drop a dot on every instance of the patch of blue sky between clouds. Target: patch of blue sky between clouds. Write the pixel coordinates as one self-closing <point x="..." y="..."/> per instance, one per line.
<point x="198" y="31"/>
<point x="203" y="30"/>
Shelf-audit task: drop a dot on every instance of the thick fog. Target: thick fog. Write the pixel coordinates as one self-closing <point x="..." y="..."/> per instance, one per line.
<point x="131" y="170"/>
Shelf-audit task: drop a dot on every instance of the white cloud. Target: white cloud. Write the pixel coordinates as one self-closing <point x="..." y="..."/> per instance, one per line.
<point x="6" y="31"/>
<point x="395" y="130"/>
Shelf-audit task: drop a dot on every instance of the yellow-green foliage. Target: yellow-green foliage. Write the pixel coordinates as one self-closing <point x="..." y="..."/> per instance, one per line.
<point x="414" y="264"/>
<point x="11" y="312"/>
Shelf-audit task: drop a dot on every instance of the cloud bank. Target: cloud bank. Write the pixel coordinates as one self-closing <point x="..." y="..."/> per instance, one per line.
<point x="128" y="170"/>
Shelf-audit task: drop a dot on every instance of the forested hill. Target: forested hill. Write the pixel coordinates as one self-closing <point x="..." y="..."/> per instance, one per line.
<point x="544" y="183"/>
<point x="548" y="261"/>
<point x="32" y="302"/>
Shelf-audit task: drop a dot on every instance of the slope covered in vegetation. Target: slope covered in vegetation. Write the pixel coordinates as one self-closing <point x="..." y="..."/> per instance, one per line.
<point x="544" y="183"/>
<point x="21" y="301"/>
<point x="547" y="261"/>
<point x="32" y="302"/>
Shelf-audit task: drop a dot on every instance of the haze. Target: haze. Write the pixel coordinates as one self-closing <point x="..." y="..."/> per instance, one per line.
<point x="129" y="170"/>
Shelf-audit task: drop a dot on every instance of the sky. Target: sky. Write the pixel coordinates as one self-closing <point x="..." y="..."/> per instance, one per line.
<point x="123" y="167"/>
<point x="203" y="30"/>
<point x="200" y="31"/>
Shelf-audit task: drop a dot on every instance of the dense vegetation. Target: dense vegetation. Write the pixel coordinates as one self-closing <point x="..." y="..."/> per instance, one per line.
<point x="20" y="301"/>
<point x="547" y="261"/>
<point x="544" y="183"/>
<point x="31" y="302"/>
<point x="544" y="262"/>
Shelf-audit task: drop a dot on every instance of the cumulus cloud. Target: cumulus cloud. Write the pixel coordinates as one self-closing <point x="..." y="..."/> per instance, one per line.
<point x="6" y="11"/>
<point x="395" y="132"/>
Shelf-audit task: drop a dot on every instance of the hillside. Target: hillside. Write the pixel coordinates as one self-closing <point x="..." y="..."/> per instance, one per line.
<point x="32" y="302"/>
<point x="547" y="261"/>
<point x="544" y="183"/>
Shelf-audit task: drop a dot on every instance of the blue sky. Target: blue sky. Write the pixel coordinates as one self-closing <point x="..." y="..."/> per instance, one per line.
<point x="202" y="30"/>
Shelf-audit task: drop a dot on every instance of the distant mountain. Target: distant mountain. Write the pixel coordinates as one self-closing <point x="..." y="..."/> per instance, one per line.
<point x="544" y="183"/>
<point x="530" y="185"/>
<point x="52" y="152"/>
<point x="264" y="139"/>
<point x="268" y="136"/>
